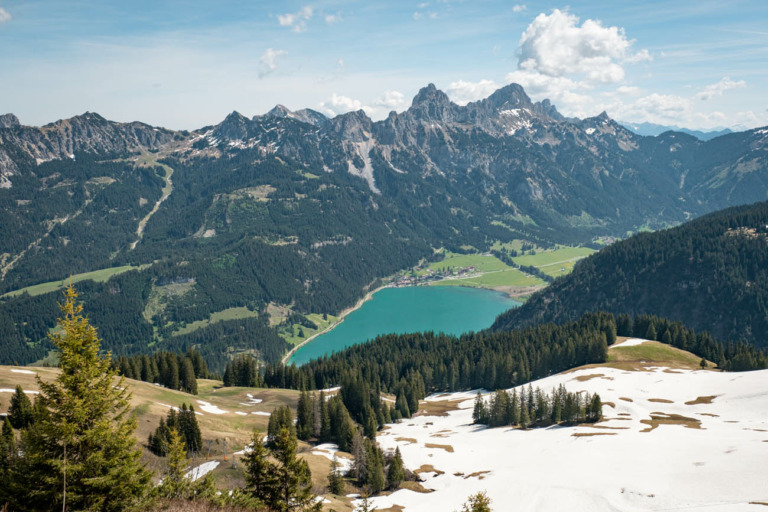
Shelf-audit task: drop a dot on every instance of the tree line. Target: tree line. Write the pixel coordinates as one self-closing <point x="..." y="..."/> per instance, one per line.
<point x="534" y="408"/>
<point x="172" y="370"/>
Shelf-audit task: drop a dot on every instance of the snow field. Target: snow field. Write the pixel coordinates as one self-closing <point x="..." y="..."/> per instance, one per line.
<point x="715" y="457"/>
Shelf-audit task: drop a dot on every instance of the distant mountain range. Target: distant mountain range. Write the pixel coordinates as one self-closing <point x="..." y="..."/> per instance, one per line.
<point x="710" y="273"/>
<point x="651" y="130"/>
<point x="298" y="209"/>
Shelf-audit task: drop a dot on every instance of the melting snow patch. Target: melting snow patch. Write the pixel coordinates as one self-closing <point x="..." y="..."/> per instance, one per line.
<point x="211" y="409"/>
<point x="590" y="131"/>
<point x="631" y="342"/>
<point x="327" y="450"/>
<point x="9" y="390"/>
<point x="168" y="406"/>
<point x="14" y="370"/>
<point x="262" y="413"/>
<point x="241" y="413"/>
<point x="202" y="470"/>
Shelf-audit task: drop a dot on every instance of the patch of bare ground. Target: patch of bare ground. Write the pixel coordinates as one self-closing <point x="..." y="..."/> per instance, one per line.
<point x="438" y="408"/>
<point x="445" y="447"/>
<point x="591" y="434"/>
<point x="626" y="399"/>
<point x="477" y="474"/>
<point x="415" y="487"/>
<point x="427" y="468"/>
<point x="584" y="378"/>
<point x="624" y="414"/>
<point x="759" y="503"/>
<point x="624" y="418"/>
<point x="661" y="400"/>
<point x="660" y="418"/>
<point x="709" y="414"/>
<point x="701" y="400"/>
<point x="438" y="435"/>
<point x="409" y="440"/>
<point x="610" y="404"/>
<point x="605" y="427"/>
<point x="393" y="508"/>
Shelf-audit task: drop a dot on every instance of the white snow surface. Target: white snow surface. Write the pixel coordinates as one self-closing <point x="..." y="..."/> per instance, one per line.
<point x="327" y="450"/>
<point x="721" y="466"/>
<point x="590" y="131"/>
<point x="14" y="370"/>
<point x="210" y="408"/>
<point x="631" y="342"/>
<point x="201" y="470"/>
<point x="9" y="390"/>
<point x="262" y="413"/>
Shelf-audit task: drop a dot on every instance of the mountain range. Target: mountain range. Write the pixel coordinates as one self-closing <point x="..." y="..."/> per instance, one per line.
<point x="652" y="129"/>
<point x="300" y="210"/>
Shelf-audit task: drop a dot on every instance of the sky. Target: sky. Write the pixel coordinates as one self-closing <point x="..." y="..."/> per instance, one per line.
<point x="185" y="64"/>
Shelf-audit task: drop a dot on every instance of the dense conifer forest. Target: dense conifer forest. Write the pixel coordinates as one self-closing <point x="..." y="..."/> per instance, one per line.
<point x="711" y="274"/>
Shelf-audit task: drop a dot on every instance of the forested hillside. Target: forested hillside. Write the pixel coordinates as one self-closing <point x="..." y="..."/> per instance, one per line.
<point x="710" y="273"/>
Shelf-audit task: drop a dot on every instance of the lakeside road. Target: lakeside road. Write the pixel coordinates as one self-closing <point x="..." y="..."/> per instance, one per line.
<point x="340" y="319"/>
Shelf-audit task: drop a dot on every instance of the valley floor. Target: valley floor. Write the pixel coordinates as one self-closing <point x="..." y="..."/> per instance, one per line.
<point x="671" y="439"/>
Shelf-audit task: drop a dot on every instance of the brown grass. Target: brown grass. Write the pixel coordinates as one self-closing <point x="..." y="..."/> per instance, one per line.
<point x="702" y="400"/>
<point x="584" y="378"/>
<point x="709" y="414"/>
<point x="406" y="440"/>
<point x="610" y="404"/>
<point x="428" y="468"/>
<point x="438" y="408"/>
<point x="660" y="418"/>
<point x="445" y="447"/>
<point x="590" y="434"/>
<point x="759" y="503"/>
<point x="477" y="474"/>
<point x="416" y="487"/>
<point x="605" y="427"/>
<point x="626" y="399"/>
<point x="660" y="400"/>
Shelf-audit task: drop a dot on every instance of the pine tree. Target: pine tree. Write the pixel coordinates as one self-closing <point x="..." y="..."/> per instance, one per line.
<point x="79" y="454"/>
<point x="7" y="449"/>
<point x="20" y="410"/>
<point x="293" y="478"/>
<point x="304" y="417"/>
<point x="396" y="471"/>
<point x="335" y="480"/>
<point x="175" y="483"/>
<point x="259" y="471"/>
<point x="188" y="382"/>
<point x="479" y="502"/>
<point x="479" y="414"/>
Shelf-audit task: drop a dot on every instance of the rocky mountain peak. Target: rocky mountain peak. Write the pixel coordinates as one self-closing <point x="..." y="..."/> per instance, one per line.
<point x="234" y="127"/>
<point x="432" y="104"/>
<point x="353" y="126"/>
<point x="508" y="97"/>
<point x="9" y="121"/>
<point x="280" y="111"/>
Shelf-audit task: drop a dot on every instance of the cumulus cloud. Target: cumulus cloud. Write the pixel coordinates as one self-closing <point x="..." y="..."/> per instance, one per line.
<point x="5" y="16"/>
<point x="392" y="100"/>
<point x="339" y="104"/>
<point x="719" y="88"/>
<point x="268" y="61"/>
<point x="462" y="92"/>
<point x="376" y="109"/>
<point x="297" y="20"/>
<point x="331" y="19"/>
<point x="519" y="8"/>
<point x="555" y="45"/>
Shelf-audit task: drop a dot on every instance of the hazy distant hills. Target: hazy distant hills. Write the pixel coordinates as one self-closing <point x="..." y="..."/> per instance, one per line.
<point x="710" y="273"/>
<point x="651" y="130"/>
<point x="295" y="208"/>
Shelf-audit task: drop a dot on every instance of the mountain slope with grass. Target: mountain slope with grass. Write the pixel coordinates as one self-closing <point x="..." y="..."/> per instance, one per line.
<point x="710" y="273"/>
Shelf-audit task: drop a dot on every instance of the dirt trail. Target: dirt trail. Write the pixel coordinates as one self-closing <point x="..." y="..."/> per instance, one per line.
<point x="167" y="189"/>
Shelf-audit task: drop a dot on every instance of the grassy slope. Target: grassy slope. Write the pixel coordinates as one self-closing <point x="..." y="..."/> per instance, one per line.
<point x="496" y="273"/>
<point x="149" y="405"/>
<point x="555" y="263"/>
<point x="99" y="276"/>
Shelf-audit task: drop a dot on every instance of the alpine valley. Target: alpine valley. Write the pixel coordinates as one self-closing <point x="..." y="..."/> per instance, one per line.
<point x="294" y="213"/>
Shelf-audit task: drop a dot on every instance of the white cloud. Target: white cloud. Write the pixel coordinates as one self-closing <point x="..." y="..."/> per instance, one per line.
<point x="719" y="88"/>
<point x="462" y="92"/>
<point x="392" y="100"/>
<point x="555" y="45"/>
<point x="519" y="8"/>
<point x="5" y="16"/>
<point x="628" y="89"/>
<point x="416" y="15"/>
<point x="338" y="104"/>
<point x="268" y="61"/>
<point x="297" y="20"/>
<point x="331" y="19"/>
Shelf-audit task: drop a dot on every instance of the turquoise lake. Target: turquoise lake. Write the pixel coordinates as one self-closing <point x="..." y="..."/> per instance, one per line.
<point x="448" y="309"/>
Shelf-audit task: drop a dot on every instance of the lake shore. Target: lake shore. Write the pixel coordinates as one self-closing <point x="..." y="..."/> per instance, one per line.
<point x="368" y="296"/>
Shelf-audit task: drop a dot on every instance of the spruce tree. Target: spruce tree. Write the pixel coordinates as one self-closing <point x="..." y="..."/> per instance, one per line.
<point x="293" y="478"/>
<point x="259" y="471"/>
<point x="79" y="453"/>
<point x="396" y="471"/>
<point x="20" y="410"/>
<point x="175" y="484"/>
<point x="335" y="480"/>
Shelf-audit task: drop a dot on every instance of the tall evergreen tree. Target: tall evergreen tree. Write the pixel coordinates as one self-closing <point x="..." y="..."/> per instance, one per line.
<point x="293" y="478"/>
<point x="259" y="471"/>
<point x="20" y="410"/>
<point x="79" y="454"/>
<point x="335" y="480"/>
<point x="396" y="470"/>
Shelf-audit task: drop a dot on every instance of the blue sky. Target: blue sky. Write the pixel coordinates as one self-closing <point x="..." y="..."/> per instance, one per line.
<point x="186" y="64"/>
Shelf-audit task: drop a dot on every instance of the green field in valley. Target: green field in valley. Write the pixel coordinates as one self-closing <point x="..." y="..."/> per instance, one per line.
<point x="219" y="316"/>
<point x="99" y="276"/>
<point x="557" y="262"/>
